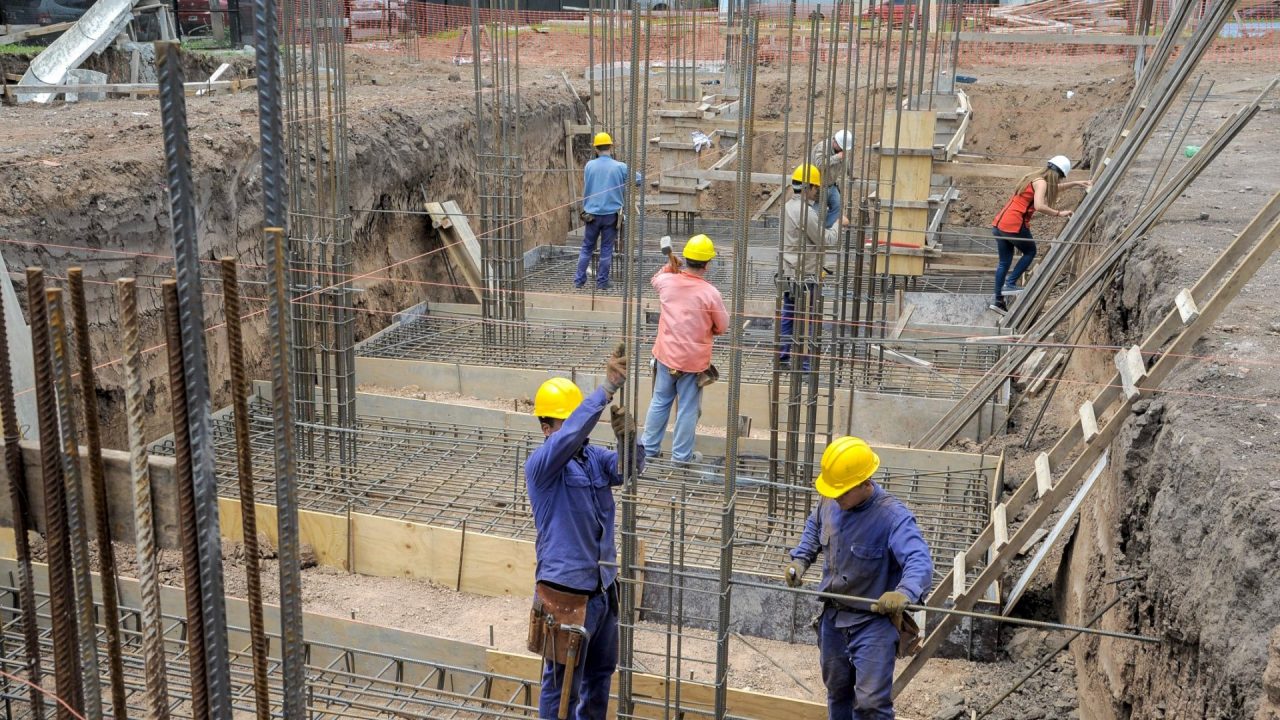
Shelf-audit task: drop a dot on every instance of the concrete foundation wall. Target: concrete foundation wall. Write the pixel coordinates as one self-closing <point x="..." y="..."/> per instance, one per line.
<point x="879" y="418"/>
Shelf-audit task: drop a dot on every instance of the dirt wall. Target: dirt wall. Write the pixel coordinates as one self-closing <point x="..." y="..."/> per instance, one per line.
<point x="88" y="188"/>
<point x="1189" y="504"/>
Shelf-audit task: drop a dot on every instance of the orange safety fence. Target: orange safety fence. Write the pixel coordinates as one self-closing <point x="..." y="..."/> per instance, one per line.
<point x="1042" y="30"/>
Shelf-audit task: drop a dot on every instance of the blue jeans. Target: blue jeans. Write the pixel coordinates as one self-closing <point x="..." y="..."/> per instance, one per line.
<point x="833" y="206"/>
<point x="1005" y="244"/>
<point x="789" y="317"/>
<point x="857" y="668"/>
<point x="665" y="390"/>
<point x="589" y="696"/>
<point x="604" y="227"/>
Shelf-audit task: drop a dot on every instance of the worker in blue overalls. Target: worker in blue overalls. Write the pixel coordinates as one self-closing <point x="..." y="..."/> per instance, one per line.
<point x="570" y="484"/>
<point x="603" y="182"/>
<point x="872" y="549"/>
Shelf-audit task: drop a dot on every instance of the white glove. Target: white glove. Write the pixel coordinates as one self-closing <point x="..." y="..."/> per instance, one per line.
<point x="665" y="244"/>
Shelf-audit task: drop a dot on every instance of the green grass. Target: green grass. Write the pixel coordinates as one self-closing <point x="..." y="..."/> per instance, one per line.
<point x="20" y="49"/>
<point x="204" y="43"/>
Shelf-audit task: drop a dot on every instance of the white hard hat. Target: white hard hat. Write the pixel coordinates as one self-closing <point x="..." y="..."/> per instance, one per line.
<point x="844" y="139"/>
<point x="1061" y="163"/>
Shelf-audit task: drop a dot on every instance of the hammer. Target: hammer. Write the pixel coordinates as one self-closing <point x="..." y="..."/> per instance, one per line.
<point x="577" y="635"/>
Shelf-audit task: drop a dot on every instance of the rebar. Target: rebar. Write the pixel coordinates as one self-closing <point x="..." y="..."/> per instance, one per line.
<point x="66" y="658"/>
<point x="76" y="518"/>
<point x="182" y="212"/>
<point x="286" y="477"/>
<point x="15" y="470"/>
<point x="197" y="656"/>
<point x="97" y="481"/>
<point x="144" y="534"/>
<point x="244" y="468"/>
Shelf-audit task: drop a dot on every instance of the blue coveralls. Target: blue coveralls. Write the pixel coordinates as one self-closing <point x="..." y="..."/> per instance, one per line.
<point x="570" y="490"/>
<point x="603" y="182"/>
<point x="868" y="550"/>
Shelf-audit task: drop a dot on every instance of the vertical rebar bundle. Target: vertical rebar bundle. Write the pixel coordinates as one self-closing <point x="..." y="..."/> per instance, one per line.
<point x="76" y="517"/>
<point x="319" y="232"/>
<point x="500" y="171"/>
<point x="182" y="210"/>
<point x="21" y="509"/>
<point x="144" y="533"/>
<point x="197" y="657"/>
<point x="244" y="463"/>
<point x="66" y="658"/>
<point x="98" y="483"/>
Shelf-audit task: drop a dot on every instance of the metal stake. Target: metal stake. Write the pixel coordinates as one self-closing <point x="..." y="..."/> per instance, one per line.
<point x="244" y="464"/>
<point x="98" y="483"/>
<point x="78" y="533"/>
<point x="150" y="620"/>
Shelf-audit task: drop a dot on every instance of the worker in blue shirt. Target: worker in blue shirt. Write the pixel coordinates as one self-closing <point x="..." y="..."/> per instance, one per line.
<point x="603" y="182"/>
<point x="570" y="484"/>
<point x="872" y="549"/>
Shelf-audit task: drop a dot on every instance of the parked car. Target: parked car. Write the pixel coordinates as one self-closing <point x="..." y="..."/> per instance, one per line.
<point x="896" y="12"/>
<point x="44" y="12"/>
<point x="194" y="17"/>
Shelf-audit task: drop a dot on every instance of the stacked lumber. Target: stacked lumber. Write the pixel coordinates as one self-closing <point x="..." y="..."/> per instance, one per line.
<point x="1061" y="16"/>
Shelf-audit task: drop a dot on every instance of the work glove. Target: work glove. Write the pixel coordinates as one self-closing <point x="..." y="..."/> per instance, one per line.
<point x="892" y="603"/>
<point x="794" y="573"/>
<point x="615" y="369"/>
<point x="624" y="426"/>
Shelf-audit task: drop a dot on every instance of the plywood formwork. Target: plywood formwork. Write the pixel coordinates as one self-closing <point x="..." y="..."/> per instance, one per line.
<point x="906" y="169"/>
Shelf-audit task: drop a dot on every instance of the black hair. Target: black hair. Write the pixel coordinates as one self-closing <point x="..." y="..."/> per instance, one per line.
<point x="695" y="264"/>
<point x="547" y="420"/>
<point x="600" y="148"/>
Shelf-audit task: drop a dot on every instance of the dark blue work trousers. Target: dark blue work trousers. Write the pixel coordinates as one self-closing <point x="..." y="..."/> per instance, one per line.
<point x="789" y="317"/>
<point x="1005" y="245"/>
<point x="857" y="667"/>
<point x="605" y="229"/>
<point x="589" y="696"/>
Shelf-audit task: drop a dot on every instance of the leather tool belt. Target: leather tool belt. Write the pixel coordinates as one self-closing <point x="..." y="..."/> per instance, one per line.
<point x="555" y="622"/>
<point x="908" y="635"/>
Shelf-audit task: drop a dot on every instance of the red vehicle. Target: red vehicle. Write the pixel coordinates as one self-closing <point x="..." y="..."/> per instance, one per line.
<point x="896" y="12"/>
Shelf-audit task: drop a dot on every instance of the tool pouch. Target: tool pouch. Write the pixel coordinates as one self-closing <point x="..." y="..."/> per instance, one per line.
<point x="708" y="376"/>
<point x="908" y="635"/>
<point x="586" y="217"/>
<point x="551" y="610"/>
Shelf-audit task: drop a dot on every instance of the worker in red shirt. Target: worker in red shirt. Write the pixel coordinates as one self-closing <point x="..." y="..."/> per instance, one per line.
<point x="693" y="313"/>
<point x="1036" y="191"/>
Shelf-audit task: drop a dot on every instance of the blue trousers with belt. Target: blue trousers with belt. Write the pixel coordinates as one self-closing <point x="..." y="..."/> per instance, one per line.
<point x="857" y="667"/>
<point x="589" y="696"/>
<point x="787" y="328"/>
<point x="605" y="229"/>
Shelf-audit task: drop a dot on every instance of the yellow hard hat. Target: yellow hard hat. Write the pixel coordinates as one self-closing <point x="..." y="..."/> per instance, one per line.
<point x="807" y="174"/>
<point x="846" y="463"/>
<point x="602" y="139"/>
<point x="699" y="248"/>
<point x="556" y="398"/>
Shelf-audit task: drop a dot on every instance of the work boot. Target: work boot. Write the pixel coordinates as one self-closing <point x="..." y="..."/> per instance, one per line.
<point x="1011" y="290"/>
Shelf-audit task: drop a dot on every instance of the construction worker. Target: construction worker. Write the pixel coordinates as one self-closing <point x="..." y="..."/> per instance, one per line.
<point x="831" y="157"/>
<point x="1036" y="192"/>
<point x="569" y="482"/>
<point x="693" y="313"/>
<point x="806" y="244"/>
<point x="872" y="548"/>
<point x="603" y="182"/>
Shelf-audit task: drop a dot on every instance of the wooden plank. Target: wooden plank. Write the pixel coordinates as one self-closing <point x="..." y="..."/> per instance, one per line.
<point x="1187" y="308"/>
<point x="1027" y="370"/>
<point x="191" y="88"/>
<point x="1043" y="377"/>
<point x="958" y="574"/>
<point x="1044" y="477"/>
<point x="732" y="176"/>
<point x="1043" y="38"/>
<point x="901" y="323"/>
<point x="326" y="534"/>
<point x="460" y="243"/>
<point x="18" y="36"/>
<point x="1088" y="421"/>
<point x="384" y="547"/>
<point x="497" y="566"/>
<point x="1131" y="368"/>
<point x="1000" y="527"/>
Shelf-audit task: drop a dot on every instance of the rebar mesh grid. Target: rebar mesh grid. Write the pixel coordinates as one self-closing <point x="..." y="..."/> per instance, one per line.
<point x="567" y="346"/>
<point x="447" y="474"/>
<point x="354" y="684"/>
